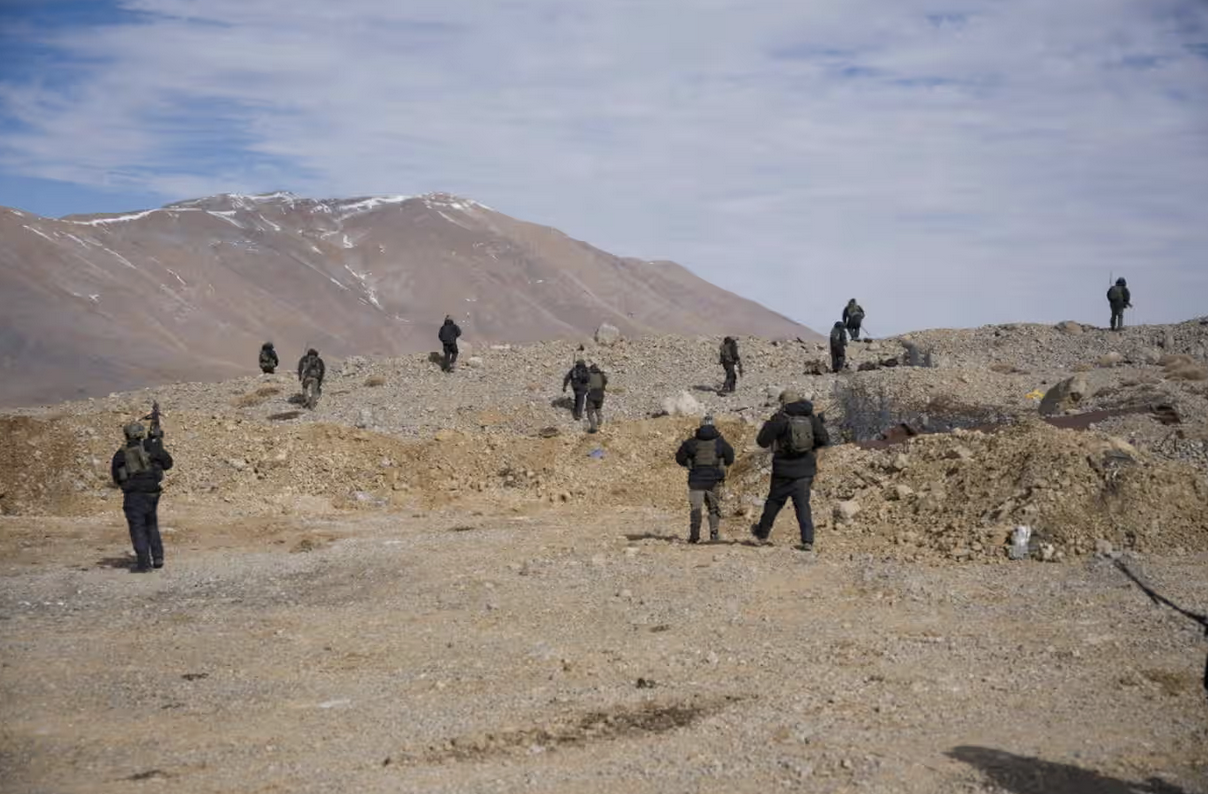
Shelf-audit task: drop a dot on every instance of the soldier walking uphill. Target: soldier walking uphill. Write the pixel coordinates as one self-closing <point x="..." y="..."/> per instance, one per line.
<point x="578" y="379"/>
<point x="449" y="334"/>
<point x="597" y="382"/>
<point x="731" y="362"/>
<point x="853" y="318"/>
<point x="311" y="370"/>
<point x="138" y="468"/>
<point x="268" y="359"/>
<point x="793" y="434"/>
<point x="706" y="456"/>
<point x="1120" y="299"/>
<point x="838" y="347"/>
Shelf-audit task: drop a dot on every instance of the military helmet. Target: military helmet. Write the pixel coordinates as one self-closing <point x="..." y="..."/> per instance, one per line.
<point x="707" y="420"/>
<point x="267" y="345"/>
<point x="839" y="324"/>
<point x="312" y="352"/>
<point x="133" y="430"/>
<point x="1120" y="282"/>
<point x="790" y="396"/>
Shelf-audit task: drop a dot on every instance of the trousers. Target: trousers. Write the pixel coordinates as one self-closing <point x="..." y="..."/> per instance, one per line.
<point x="783" y="489"/>
<point x="142" y="518"/>
<point x="700" y="500"/>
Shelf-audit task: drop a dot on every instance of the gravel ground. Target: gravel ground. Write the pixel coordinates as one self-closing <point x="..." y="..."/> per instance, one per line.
<point x="451" y="652"/>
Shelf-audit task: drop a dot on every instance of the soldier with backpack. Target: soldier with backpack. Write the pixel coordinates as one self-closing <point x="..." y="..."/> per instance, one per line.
<point x="793" y="434"/>
<point x="268" y="359"/>
<point x="578" y="379"/>
<point x="597" y="382"/>
<point x="1120" y="299"/>
<point x="731" y="362"/>
<point x="449" y="333"/>
<point x="311" y="370"/>
<point x="853" y="318"/>
<point x="838" y="347"/>
<point x="138" y="469"/>
<point x="706" y="456"/>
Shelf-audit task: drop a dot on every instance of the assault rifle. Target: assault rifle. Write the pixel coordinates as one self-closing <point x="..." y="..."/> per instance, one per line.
<point x="156" y="431"/>
<point x="1161" y="600"/>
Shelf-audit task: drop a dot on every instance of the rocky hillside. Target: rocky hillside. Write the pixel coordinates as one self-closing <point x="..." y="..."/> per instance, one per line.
<point x="1124" y="467"/>
<point x="90" y="304"/>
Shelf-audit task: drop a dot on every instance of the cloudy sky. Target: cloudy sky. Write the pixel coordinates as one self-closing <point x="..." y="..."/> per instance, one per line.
<point x="949" y="162"/>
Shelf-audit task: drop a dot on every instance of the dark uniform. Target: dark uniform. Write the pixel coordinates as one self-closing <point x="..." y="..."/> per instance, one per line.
<point x="1120" y="299"/>
<point x="706" y="455"/>
<point x="268" y="359"/>
<point x="731" y="362"/>
<point x="853" y="318"/>
<point x="578" y="379"/>
<point x="448" y="335"/>
<point x="838" y="347"/>
<point x="597" y="382"/>
<point x="138" y="468"/>
<point x="311" y="368"/>
<point x="788" y="432"/>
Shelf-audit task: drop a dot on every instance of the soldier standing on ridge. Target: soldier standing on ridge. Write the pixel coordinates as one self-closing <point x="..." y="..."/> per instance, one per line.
<point x="793" y="433"/>
<point x="597" y="382"/>
<point x="268" y="358"/>
<point x="1120" y="299"/>
<point x="853" y="318"/>
<point x="448" y="335"/>
<point x="138" y="468"/>
<point x="311" y="369"/>
<point x="730" y="361"/>
<point x="706" y="456"/>
<point x="838" y="347"/>
<point x="578" y="379"/>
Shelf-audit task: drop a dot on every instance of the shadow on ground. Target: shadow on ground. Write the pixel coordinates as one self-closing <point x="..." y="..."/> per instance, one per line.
<point x="678" y="539"/>
<point x="115" y="562"/>
<point x="1022" y="775"/>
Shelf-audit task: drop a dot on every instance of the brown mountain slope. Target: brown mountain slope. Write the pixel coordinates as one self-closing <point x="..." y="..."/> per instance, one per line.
<point x="90" y="304"/>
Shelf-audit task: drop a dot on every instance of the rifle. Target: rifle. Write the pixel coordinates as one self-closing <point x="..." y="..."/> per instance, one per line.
<point x="156" y="431"/>
<point x="1161" y="600"/>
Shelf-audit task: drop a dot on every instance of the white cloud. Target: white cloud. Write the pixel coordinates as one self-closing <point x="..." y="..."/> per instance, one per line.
<point x="955" y="163"/>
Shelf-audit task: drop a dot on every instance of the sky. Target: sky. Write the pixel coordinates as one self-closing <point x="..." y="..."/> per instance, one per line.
<point x="947" y="162"/>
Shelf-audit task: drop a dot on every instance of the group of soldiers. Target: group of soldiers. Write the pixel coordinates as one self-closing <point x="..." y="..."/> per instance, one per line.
<point x="793" y="434"/>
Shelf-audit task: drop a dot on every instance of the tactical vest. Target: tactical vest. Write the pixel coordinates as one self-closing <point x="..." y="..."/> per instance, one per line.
<point x="136" y="461"/>
<point x="595" y="381"/>
<point x="266" y="357"/>
<point x="1116" y="294"/>
<point x="580" y="377"/>
<point x="311" y="369"/>
<point x="706" y="455"/>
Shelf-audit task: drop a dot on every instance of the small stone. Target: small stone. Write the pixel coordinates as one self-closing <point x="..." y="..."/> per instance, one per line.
<point x="846" y="511"/>
<point x="1047" y="552"/>
<point x="960" y="453"/>
<point x="607" y="334"/>
<point x="712" y="658"/>
<point x="1104" y="548"/>
<point x="238" y="464"/>
<point x="901" y="492"/>
<point x="1112" y="359"/>
<point x="899" y="462"/>
<point x="1069" y="327"/>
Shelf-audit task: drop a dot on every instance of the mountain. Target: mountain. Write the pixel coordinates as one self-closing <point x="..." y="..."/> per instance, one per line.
<point x="93" y="304"/>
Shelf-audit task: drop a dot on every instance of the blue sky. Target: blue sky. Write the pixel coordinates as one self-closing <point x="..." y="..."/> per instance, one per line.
<point x="949" y="163"/>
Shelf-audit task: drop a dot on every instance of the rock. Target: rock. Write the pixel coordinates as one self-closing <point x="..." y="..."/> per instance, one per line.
<point x="900" y="462"/>
<point x="1048" y="552"/>
<point x="683" y="404"/>
<point x="1111" y="359"/>
<point x="238" y="464"/>
<point x="1168" y="339"/>
<point x="817" y="367"/>
<point x="549" y="432"/>
<point x="960" y="453"/>
<point x="364" y="418"/>
<point x="1065" y="395"/>
<point x="352" y="366"/>
<point x="1104" y="548"/>
<point x="1069" y="327"/>
<point x="847" y="510"/>
<point x="475" y="362"/>
<point x="1150" y="355"/>
<point x="901" y="492"/>
<point x="607" y="334"/>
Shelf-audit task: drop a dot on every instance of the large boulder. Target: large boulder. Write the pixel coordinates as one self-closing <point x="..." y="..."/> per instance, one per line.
<point x="683" y="404"/>
<point x="1066" y="396"/>
<point x="608" y="334"/>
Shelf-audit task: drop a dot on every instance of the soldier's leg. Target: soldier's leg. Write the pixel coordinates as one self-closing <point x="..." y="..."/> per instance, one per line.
<point x="593" y="416"/>
<point x="778" y="494"/>
<point x="855" y="332"/>
<point x="801" y="503"/>
<point x="135" y="508"/>
<point x="580" y="402"/>
<point x="154" y="541"/>
<point x="713" y="502"/>
<point x="696" y="501"/>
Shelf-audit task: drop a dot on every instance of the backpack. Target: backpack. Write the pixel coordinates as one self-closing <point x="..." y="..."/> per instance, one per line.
<point x="448" y="333"/>
<point x="706" y="455"/>
<point x="1116" y="294"/>
<point x="136" y="461"/>
<point x="838" y="337"/>
<point x="580" y="376"/>
<point x="267" y="357"/>
<point x="800" y="436"/>
<point x="313" y="369"/>
<point x="595" y="381"/>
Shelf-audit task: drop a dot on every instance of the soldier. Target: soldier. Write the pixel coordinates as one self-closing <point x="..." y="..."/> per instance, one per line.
<point x="578" y="379"/>
<point x="268" y="359"/>
<point x="597" y="382"/>
<point x="706" y="456"/>
<point x="853" y="318"/>
<point x="138" y="468"/>
<point x="838" y="347"/>
<point x="311" y="370"/>
<point x="793" y="434"/>
<point x="448" y="335"/>
<point x="1119" y="298"/>
<point x="730" y="361"/>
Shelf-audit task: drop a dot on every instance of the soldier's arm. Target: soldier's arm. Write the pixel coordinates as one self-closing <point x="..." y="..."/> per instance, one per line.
<point x="727" y="453"/>
<point x="683" y="453"/>
<point x="821" y="436"/>
<point x="119" y="460"/>
<point x="770" y="431"/>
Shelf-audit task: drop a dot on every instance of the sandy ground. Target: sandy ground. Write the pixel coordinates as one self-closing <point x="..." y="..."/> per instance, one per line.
<point x="561" y="652"/>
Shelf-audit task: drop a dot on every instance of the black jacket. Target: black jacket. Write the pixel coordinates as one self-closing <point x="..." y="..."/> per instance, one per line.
<point x="268" y="357"/>
<point x="577" y="378"/>
<point x="838" y="338"/>
<point x="705" y="477"/>
<point x="449" y="333"/>
<point x="147" y="481"/>
<point x="785" y="463"/>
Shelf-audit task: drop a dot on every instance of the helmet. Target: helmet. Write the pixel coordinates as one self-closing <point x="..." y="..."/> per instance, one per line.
<point x="839" y="324"/>
<point x="1120" y="282"/>
<point x="790" y="396"/>
<point x="133" y="431"/>
<point x="312" y="352"/>
<point x="707" y="421"/>
<point x="266" y="345"/>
